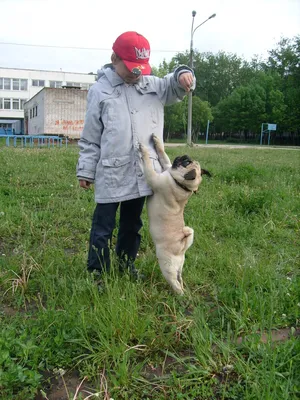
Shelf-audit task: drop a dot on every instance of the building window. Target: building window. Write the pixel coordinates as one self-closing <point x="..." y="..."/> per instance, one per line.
<point x="23" y="84"/>
<point x="33" y="112"/>
<point x="86" y="86"/>
<point x="16" y="84"/>
<point x="6" y="126"/>
<point x="12" y="104"/>
<point x="22" y="101"/>
<point x="13" y="84"/>
<point x="16" y="104"/>
<point x="5" y="83"/>
<point x="7" y="104"/>
<point x="73" y="84"/>
<point x="37" y="82"/>
<point x="55" y="84"/>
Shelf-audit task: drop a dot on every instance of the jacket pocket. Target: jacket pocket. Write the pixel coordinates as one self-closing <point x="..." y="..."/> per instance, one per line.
<point x="118" y="171"/>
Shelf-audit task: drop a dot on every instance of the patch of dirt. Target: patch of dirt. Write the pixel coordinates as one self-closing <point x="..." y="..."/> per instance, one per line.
<point x="276" y="335"/>
<point x="30" y="307"/>
<point x="8" y="310"/>
<point x="70" y="252"/>
<point x="64" y="387"/>
<point x="6" y="246"/>
<point x="1" y="247"/>
<point x="170" y="364"/>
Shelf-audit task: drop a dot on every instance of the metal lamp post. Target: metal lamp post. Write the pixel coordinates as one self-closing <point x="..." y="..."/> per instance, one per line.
<point x="190" y="101"/>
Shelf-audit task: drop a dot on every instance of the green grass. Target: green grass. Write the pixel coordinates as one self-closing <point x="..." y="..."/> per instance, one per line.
<point x="139" y="339"/>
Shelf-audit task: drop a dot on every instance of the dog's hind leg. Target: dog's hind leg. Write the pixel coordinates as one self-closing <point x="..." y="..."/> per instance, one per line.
<point x="174" y="282"/>
<point x="171" y="268"/>
<point x="163" y="158"/>
<point x="179" y="274"/>
<point x="188" y="237"/>
<point x="188" y="241"/>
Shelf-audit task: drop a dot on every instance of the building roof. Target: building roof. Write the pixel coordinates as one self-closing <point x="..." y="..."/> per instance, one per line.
<point x="45" y="88"/>
<point x="46" y="70"/>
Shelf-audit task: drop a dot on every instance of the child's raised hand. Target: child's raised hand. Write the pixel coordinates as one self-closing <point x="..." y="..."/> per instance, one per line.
<point x="186" y="80"/>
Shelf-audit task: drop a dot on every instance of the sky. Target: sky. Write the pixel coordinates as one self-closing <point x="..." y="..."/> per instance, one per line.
<point x="244" y="27"/>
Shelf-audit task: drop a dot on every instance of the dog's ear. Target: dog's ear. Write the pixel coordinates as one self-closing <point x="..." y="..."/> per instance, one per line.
<point x="176" y="163"/>
<point x="182" y="161"/>
<point x="205" y="172"/>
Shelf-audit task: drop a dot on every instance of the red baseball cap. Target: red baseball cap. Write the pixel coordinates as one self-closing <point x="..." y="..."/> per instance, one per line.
<point x="134" y="50"/>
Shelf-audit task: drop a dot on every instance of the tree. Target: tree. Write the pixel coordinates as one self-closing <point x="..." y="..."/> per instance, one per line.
<point x="278" y="108"/>
<point x="175" y="120"/>
<point x="243" y="94"/>
<point x="242" y="111"/>
<point x="163" y="69"/>
<point x="217" y="75"/>
<point x="201" y="113"/>
<point x="176" y="117"/>
<point x="284" y="60"/>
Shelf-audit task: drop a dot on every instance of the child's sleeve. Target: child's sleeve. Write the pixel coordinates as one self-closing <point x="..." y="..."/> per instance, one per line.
<point x="90" y="139"/>
<point x="168" y="88"/>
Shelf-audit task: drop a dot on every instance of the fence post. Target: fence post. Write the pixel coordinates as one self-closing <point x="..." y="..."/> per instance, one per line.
<point x="207" y="129"/>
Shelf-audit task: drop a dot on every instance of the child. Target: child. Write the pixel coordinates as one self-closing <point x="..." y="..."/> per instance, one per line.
<point x="124" y="108"/>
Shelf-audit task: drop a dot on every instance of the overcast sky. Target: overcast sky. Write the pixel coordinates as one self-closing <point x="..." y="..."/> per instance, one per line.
<point x="244" y="27"/>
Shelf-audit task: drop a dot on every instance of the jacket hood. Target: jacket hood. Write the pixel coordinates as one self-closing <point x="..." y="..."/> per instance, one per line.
<point x="101" y="71"/>
<point x="109" y="72"/>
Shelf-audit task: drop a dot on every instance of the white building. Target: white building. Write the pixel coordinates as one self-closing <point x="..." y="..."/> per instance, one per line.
<point x="56" y="111"/>
<point x="19" y="85"/>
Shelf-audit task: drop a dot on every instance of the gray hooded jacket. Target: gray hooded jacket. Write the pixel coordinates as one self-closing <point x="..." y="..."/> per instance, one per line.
<point x="119" y="117"/>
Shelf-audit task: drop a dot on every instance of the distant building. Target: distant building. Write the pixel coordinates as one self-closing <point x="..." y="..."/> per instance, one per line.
<point x="56" y="112"/>
<point x="19" y="85"/>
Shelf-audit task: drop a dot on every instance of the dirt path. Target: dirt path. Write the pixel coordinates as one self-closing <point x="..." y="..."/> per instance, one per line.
<point x="234" y="146"/>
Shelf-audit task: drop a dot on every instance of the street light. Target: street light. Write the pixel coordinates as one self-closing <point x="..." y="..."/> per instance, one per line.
<point x="190" y="101"/>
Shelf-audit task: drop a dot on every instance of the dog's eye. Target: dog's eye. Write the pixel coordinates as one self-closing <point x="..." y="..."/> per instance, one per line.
<point x="185" y="163"/>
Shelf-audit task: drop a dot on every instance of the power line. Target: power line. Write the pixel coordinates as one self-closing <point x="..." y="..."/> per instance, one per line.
<point x="78" y="48"/>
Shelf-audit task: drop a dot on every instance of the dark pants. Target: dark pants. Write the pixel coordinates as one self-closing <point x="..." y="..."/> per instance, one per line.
<point x="128" y="241"/>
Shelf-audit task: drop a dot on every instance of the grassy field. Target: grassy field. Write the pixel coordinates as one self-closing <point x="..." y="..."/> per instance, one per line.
<point x="234" y="335"/>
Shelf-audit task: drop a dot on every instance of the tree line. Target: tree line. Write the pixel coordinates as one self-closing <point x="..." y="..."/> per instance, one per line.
<point x="238" y="96"/>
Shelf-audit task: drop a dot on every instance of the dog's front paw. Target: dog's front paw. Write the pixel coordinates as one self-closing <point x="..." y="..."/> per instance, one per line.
<point x="142" y="149"/>
<point x="155" y="139"/>
<point x="187" y="231"/>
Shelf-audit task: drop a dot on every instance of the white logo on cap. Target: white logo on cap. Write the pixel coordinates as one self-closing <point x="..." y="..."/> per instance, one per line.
<point x="142" y="53"/>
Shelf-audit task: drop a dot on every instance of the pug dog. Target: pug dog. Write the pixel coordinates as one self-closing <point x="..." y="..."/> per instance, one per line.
<point x="171" y="190"/>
